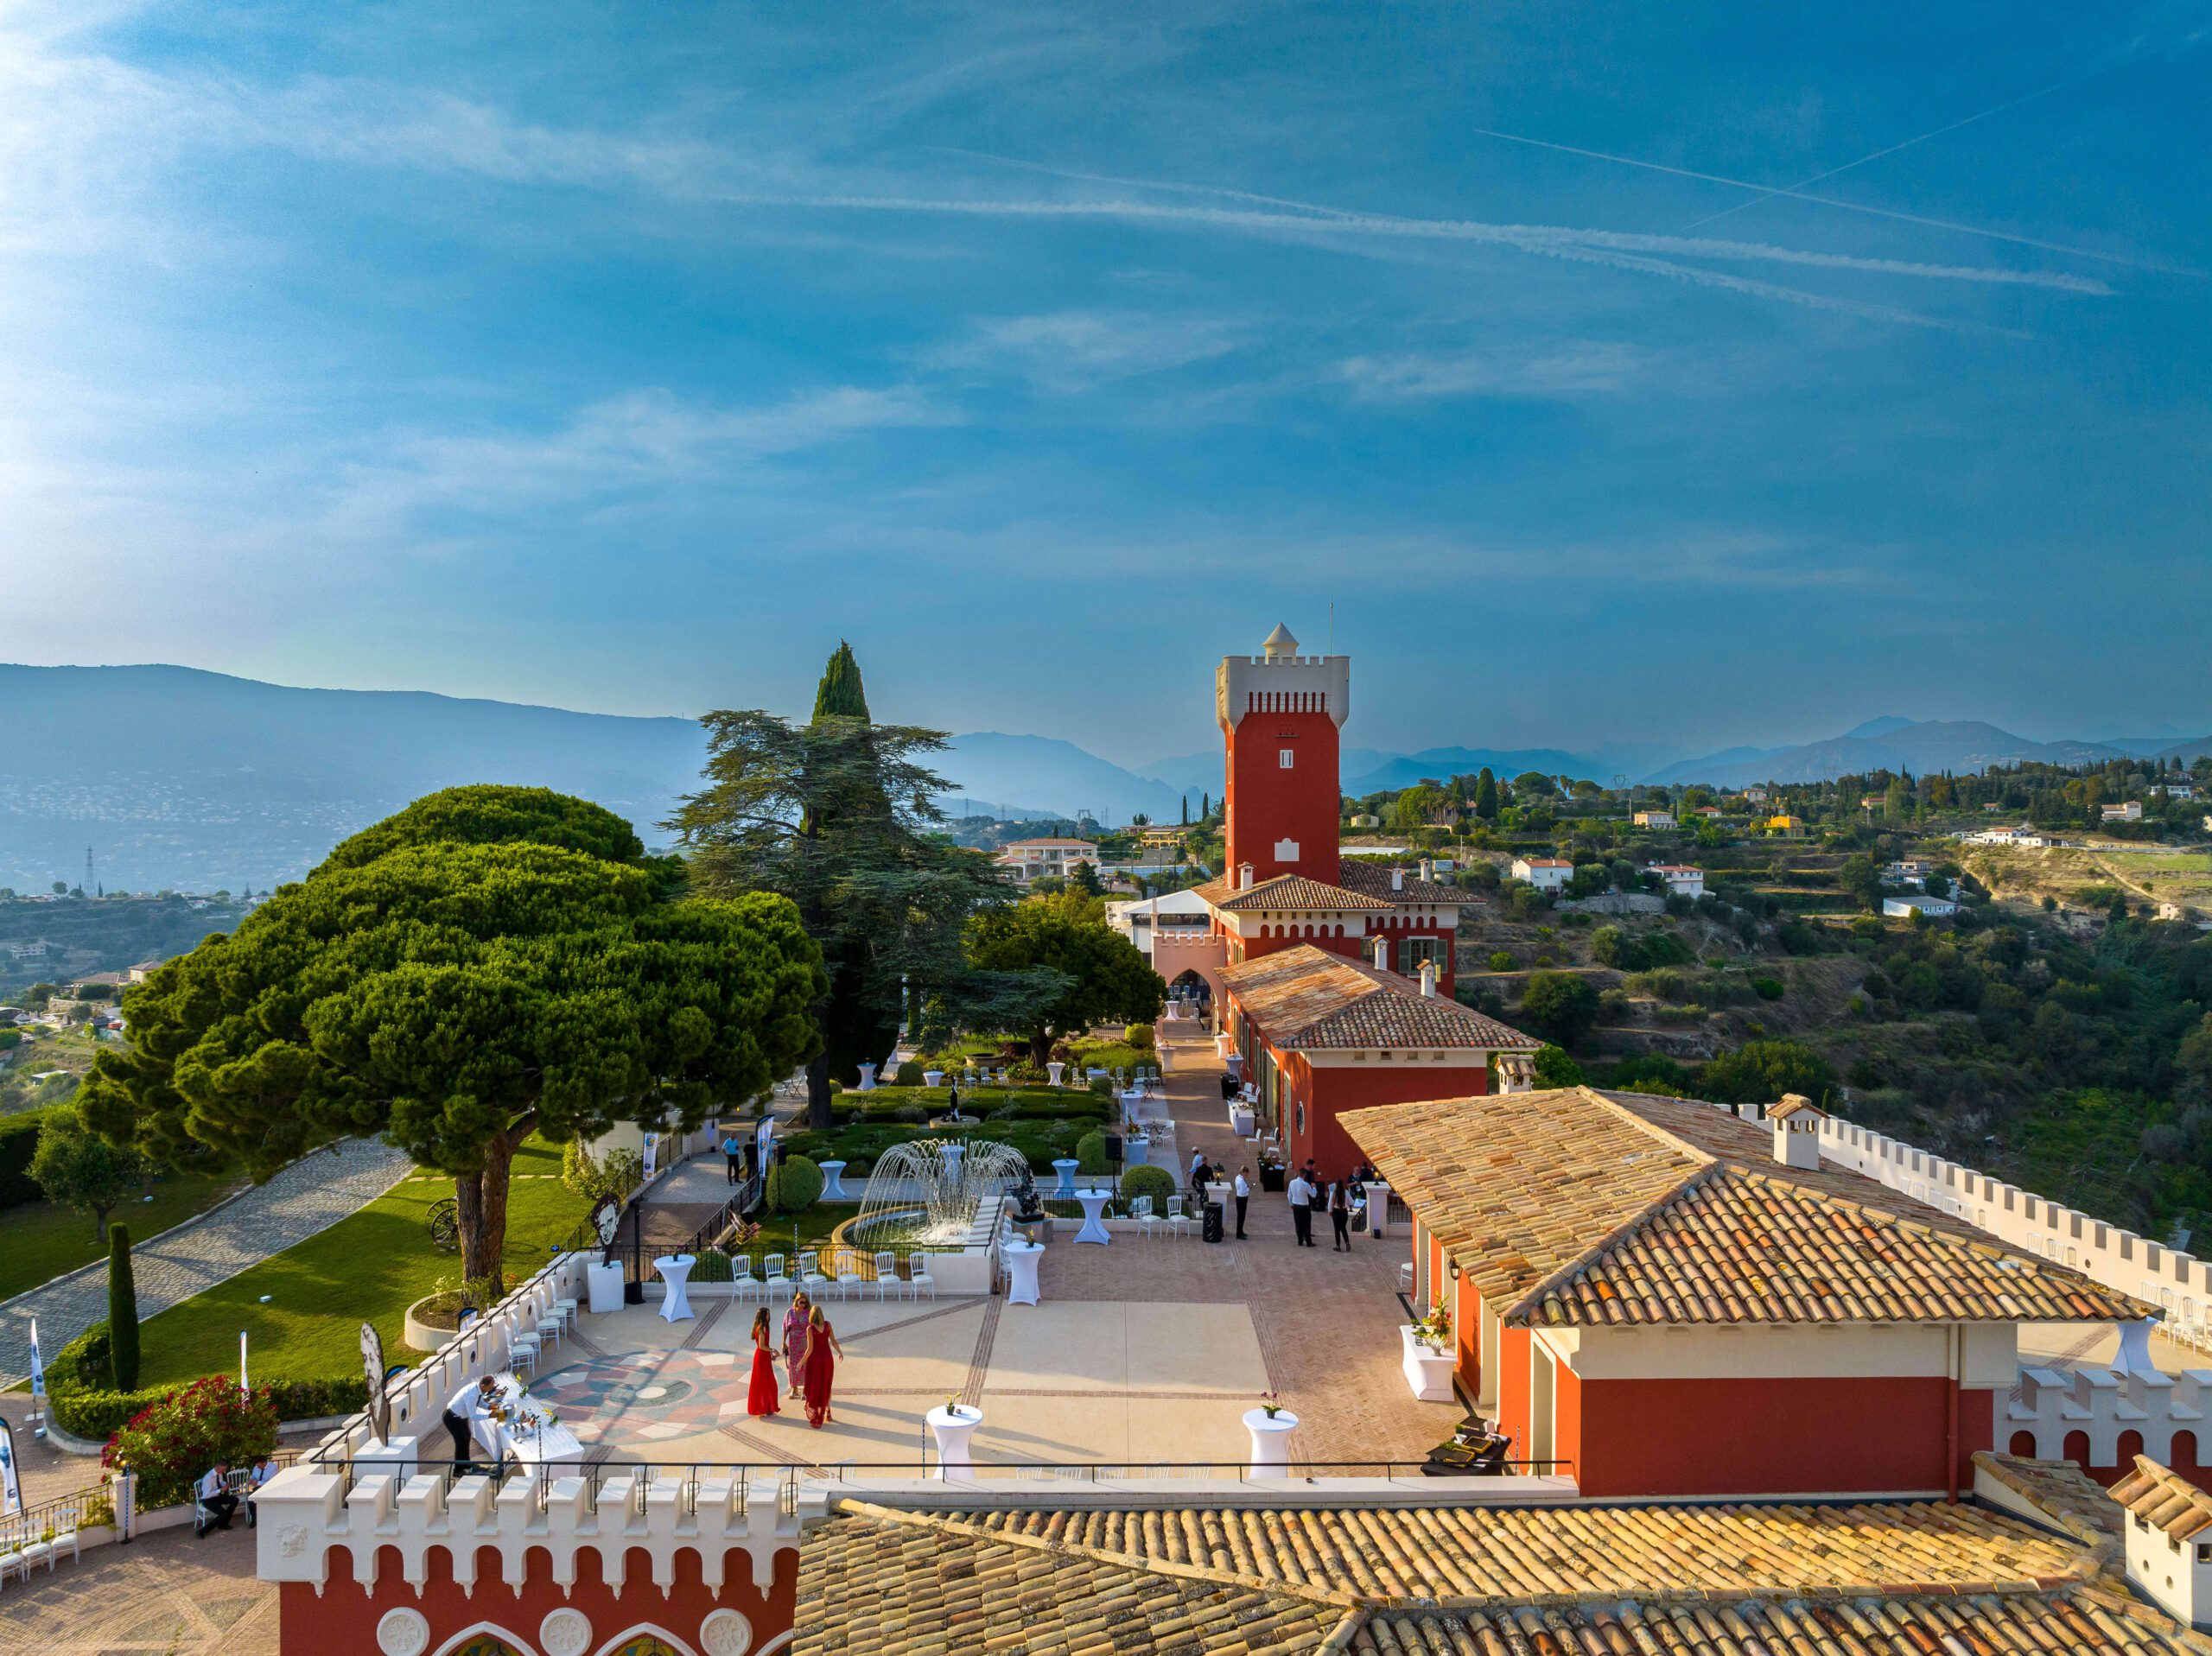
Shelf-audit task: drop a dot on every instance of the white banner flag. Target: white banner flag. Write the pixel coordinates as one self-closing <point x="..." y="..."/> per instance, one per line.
<point x="11" y="1488"/>
<point x="652" y="1155"/>
<point x="38" y="1370"/>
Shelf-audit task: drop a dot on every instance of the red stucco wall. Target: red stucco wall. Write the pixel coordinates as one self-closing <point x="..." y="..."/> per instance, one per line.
<point x="1767" y="1437"/>
<point x="1266" y="803"/>
<point x="342" y="1619"/>
<point x="1328" y="1092"/>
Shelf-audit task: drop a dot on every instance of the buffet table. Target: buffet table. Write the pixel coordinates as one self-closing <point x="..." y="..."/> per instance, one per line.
<point x="529" y="1433"/>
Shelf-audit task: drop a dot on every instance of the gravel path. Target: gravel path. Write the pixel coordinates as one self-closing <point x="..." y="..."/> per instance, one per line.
<point x="309" y="1195"/>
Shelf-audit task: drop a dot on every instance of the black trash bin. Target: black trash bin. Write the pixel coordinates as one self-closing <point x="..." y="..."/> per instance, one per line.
<point x="1212" y="1229"/>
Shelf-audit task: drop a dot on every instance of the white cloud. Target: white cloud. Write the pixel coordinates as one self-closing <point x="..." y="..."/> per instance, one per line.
<point x="1075" y="351"/>
<point x="1582" y="368"/>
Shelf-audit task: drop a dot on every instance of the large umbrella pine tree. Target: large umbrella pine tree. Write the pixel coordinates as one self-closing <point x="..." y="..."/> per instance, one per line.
<point x="488" y="963"/>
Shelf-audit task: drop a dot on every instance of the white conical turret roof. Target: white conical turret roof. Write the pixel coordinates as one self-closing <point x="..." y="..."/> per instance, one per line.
<point x="1280" y="643"/>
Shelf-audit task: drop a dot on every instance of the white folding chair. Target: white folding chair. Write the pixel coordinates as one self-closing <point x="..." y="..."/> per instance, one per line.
<point x="741" y="1282"/>
<point x="850" y="1283"/>
<point x="918" y="1276"/>
<point x="811" y="1275"/>
<point x="522" y="1352"/>
<point x="773" y="1279"/>
<point x="551" y="1325"/>
<point x="1178" y="1222"/>
<point x="37" y="1552"/>
<point x="568" y="1309"/>
<point x="64" y="1538"/>
<point x="1140" y="1210"/>
<point x="11" y="1563"/>
<point x="887" y="1285"/>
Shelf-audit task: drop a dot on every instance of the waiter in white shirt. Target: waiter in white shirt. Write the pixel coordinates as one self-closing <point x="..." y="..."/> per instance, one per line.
<point x="213" y="1490"/>
<point x="1301" y="1207"/>
<point x="461" y="1408"/>
<point x="1244" y="1189"/>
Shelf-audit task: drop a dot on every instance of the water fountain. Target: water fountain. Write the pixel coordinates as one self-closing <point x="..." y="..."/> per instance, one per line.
<point x="935" y="1191"/>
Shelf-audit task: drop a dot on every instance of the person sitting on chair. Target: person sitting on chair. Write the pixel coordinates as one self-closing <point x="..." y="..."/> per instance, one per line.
<point x="263" y="1469"/>
<point x="213" y="1493"/>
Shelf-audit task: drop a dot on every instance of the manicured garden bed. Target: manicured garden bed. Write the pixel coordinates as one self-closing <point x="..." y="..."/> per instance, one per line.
<point x="1041" y="1122"/>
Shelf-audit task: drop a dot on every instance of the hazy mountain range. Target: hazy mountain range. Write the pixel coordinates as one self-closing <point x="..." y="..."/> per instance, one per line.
<point x="176" y="777"/>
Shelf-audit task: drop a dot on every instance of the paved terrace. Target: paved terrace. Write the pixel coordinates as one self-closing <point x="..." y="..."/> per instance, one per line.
<point x="1144" y="1351"/>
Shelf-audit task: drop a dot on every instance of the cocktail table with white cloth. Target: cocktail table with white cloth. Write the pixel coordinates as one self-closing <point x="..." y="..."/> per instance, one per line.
<point x="1021" y="1258"/>
<point x="952" y="1425"/>
<point x="530" y="1433"/>
<point x="1094" y="1223"/>
<point x="675" y="1270"/>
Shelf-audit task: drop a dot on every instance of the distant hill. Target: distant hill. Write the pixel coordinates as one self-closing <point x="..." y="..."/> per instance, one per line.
<point x="1439" y="764"/>
<point x="1961" y="747"/>
<point x="1042" y="776"/>
<point x="196" y="781"/>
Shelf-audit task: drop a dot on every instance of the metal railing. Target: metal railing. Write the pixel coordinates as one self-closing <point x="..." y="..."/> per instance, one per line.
<point x="85" y="1508"/>
<point x="735" y="1481"/>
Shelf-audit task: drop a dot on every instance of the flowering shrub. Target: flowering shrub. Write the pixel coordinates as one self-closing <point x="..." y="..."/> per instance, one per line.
<point x="175" y="1439"/>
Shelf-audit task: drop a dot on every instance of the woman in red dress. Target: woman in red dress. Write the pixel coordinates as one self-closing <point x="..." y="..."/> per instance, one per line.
<point x="760" y="1399"/>
<point x="822" y="1353"/>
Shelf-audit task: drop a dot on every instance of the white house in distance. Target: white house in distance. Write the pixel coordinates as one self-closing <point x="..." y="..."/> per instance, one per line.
<point x="1028" y="859"/>
<point x="2023" y="834"/>
<point x="1682" y="879"/>
<point x="1545" y="873"/>
<point x="1935" y="908"/>
<point x="1657" y="819"/>
<point x="2131" y="811"/>
<point x="1141" y="919"/>
<point x="1911" y="871"/>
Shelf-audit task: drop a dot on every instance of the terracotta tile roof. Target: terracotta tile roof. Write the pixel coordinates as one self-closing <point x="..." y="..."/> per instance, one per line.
<point x="1305" y="997"/>
<point x="2164" y="1500"/>
<point x="1290" y="893"/>
<point x="1507" y="1554"/>
<point x="874" y="1581"/>
<point x="2082" y="1622"/>
<point x="1916" y="1578"/>
<point x="1579" y="1208"/>
<point x="2066" y="1494"/>
<point x="1373" y="880"/>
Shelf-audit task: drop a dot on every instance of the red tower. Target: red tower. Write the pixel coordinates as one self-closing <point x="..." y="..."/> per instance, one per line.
<point x="1280" y="712"/>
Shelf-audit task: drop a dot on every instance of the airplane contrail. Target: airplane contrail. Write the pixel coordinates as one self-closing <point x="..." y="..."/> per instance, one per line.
<point x="1797" y="195"/>
<point x="1819" y="178"/>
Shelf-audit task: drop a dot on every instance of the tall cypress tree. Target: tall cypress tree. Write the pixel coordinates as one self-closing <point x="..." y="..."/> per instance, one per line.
<point x="840" y="694"/>
<point x="122" y="1311"/>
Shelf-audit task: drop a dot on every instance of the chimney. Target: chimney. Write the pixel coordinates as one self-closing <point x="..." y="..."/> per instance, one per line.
<point x="1517" y="1073"/>
<point x="1244" y="876"/>
<point x="1428" y="979"/>
<point x="2169" y="1547"/>
<point x="1428" y="870"/>
<point x="1797" y="1132"/>
<point x="1397" y="878"/>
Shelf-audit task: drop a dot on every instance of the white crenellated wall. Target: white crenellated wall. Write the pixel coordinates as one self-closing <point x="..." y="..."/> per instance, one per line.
<point x="306" y="1511"/>
<point x="2118" y="1259"/>
<point x="2104" y="1403"/>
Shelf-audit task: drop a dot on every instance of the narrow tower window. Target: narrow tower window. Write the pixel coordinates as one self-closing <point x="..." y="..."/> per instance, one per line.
<point x="1287" y="757"/>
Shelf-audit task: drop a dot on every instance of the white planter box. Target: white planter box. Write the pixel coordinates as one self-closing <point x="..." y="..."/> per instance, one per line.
<point x="1428" y="1372"/>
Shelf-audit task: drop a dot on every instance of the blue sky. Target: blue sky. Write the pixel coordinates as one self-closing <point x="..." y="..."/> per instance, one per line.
<point x="625" y="358"/>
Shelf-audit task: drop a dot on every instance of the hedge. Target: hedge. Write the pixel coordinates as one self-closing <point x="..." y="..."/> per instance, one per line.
<point x="794" y="1184"/>
<point x="18" y="1143"/>
<point x="1148" y="1181"/>
<point x="81" y="1393"/>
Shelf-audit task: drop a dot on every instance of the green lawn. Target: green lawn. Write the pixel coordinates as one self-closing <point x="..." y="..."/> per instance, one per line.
<point x="40" y="1240"/>
<point x="368" y="1268"/>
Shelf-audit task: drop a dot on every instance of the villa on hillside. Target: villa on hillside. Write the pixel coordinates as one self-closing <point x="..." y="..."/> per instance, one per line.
<point x="1030" y="861"/>
<point x="1545" y="873"/>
